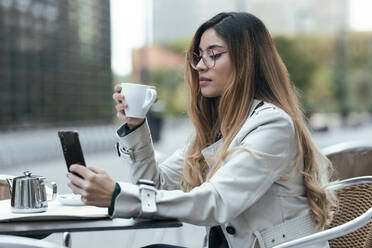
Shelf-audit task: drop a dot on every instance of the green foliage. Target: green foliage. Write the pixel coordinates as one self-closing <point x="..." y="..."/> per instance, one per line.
<point x="171" y="91"/>
<point x="361" y="90"/>
<point x="321" y="95"/>
<point x="120" y="78"/>
<point x="359" y="51"/>
<point x="359" y="61"/>
<point x="311" y="62"/>
<point x="300" y="65"/>
<point x="179" y="46"/>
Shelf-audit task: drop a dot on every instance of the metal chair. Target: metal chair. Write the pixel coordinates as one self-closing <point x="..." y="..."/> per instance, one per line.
<point x="8" y="241"/>
<point x="350" y="159"/>
<point x="351" y="225"/>
<point x="4" y="188"/>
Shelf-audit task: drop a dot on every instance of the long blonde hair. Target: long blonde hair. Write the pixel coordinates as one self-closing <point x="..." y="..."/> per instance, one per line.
<point x="258" y="73"/>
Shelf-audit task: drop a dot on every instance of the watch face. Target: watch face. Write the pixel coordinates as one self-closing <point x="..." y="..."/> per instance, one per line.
<point x="117" y="148"/>
<point x="146" y="182"/>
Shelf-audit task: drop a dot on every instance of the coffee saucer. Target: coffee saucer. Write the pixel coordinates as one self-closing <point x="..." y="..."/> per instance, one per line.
<point x="70" y="199"/>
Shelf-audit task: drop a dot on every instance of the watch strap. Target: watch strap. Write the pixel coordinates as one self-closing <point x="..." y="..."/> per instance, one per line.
<point x="147" y="192"/>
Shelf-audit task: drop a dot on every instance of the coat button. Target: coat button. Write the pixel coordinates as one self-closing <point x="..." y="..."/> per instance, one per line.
<point x="230" y="230"/>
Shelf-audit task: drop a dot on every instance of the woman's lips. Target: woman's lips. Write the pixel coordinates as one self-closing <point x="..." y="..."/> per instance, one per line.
<point x="204" y="81"/>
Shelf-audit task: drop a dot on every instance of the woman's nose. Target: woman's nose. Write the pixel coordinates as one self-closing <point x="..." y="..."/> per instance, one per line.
<point x="201" y="66"/>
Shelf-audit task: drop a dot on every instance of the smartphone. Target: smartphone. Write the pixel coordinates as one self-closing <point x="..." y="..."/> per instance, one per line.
<point x="71" y="148"/>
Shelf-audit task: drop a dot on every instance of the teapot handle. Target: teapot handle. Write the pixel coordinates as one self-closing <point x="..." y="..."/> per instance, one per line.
<point x="54" y="188"/>
<point x="10" y="184"/>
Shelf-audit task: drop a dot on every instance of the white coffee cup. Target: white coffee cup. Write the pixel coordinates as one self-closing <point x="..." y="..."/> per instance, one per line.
<point x="139" y="98"/>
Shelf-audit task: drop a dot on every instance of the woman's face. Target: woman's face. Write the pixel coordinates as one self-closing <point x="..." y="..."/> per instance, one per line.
<point x="212" y="80"/>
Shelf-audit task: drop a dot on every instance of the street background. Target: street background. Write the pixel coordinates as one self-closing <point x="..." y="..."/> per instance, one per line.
<point x="60" y="60"/>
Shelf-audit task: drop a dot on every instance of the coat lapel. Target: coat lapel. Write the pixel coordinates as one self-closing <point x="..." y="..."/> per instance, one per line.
<point x="210" y="151"/>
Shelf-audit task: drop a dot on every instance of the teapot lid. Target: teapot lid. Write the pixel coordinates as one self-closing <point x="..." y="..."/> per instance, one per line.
<point x="27" y="175"/>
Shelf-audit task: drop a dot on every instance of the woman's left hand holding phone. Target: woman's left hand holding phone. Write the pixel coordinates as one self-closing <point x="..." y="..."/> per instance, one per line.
<point x="95" y="187"/>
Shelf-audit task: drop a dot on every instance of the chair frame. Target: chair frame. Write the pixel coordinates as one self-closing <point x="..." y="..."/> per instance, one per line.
<point x="350" y="159"/>
<point x="346" y="146"/>
<point x="19" y="242"/>
<point x="340" y="230"/>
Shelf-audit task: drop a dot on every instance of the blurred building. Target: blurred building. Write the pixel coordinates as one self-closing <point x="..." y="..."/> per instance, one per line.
<point x="178" y="19"/>
<point x="300" y="16"/>
<point x="55" y="64"/>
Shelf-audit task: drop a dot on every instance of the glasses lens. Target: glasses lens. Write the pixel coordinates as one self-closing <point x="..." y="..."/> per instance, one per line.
<point x="195" y="58"/>
<point x="210" y="59"/>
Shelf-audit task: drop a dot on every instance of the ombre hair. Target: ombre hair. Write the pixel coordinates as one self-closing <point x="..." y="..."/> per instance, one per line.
<point x="259" y="73"/>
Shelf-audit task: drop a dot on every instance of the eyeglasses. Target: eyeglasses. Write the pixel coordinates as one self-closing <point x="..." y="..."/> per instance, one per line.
<point x="209" y="58"/>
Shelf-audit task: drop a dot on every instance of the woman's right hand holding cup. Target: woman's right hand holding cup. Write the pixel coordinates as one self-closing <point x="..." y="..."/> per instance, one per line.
<point x="120" y="108"/>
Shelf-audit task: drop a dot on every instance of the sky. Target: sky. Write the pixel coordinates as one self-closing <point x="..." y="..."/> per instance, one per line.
<point x="127" y="32"/>
<point x="128" y="19"/>
<point x="360" y="15"/>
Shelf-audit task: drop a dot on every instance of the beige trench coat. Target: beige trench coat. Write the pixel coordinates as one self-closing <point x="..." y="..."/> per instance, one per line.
<point x="246" y="193"/>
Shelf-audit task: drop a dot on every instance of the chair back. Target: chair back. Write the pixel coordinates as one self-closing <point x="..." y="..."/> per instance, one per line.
<point x="351" y="225"/>
<point x="353" y="201"/>
<point x="350" y="159"/>
<point x="8" y="241"/>
<point x="4" y="188"/>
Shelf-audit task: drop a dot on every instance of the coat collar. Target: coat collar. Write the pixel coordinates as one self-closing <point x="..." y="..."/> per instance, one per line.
<point x="210" y="151"/>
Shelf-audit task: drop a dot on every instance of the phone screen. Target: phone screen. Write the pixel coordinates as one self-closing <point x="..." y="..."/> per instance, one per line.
<point x="71" y="148"/>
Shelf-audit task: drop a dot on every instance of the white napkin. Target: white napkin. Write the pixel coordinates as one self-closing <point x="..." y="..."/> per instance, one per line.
<point x="55" y="211"/>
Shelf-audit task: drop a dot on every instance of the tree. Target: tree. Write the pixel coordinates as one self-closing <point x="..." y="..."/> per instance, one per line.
<point x="301" y="66"/>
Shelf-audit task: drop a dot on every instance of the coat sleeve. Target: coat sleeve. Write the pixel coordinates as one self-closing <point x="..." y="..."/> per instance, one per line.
<point x="237" y="185"/>
<point x="137" y="151"/>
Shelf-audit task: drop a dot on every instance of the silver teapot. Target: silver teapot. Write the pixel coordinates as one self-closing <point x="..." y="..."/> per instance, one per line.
<point x="28" y="193"/>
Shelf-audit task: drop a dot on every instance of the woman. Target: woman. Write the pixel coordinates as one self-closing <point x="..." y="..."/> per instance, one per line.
<point x="251" y="170"/>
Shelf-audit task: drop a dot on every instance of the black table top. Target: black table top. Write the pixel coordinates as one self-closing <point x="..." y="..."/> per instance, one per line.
<point x="44" y="228"/>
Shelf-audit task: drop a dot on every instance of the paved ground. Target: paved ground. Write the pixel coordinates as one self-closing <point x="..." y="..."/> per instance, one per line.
<point x="17" y="153"/>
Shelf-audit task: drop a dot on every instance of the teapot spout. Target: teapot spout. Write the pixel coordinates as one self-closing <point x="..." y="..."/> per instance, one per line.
<point x="10" y="184"/>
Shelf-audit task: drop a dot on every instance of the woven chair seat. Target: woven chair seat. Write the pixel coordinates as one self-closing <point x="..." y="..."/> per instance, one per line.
<point x="353" y="201"/>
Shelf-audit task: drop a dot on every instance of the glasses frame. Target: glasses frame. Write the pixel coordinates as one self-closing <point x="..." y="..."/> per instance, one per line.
<point x="190" y="57"/>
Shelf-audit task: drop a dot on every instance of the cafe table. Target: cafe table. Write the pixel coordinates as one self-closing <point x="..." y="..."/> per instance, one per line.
<point x="64" y="219"/>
